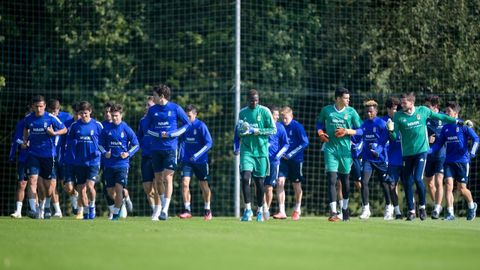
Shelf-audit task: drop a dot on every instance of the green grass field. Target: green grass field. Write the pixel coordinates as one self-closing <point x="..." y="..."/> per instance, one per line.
<point x="226" y="243"/>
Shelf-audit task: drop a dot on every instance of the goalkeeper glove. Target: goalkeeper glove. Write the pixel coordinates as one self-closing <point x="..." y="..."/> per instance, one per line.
<point x="323" y="136"/>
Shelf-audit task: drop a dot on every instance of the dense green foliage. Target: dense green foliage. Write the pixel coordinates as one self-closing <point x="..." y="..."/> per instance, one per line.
<point x="295" y="52"/>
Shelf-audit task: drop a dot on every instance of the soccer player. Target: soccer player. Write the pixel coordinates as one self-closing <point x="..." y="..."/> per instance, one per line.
<point x="335" y="124"/>
<point x="118" y="143"/>
<point x="194" y="146"/>
<point x="21" y="148"/>
<point x="394" y="154"/>
<point x="255" y="124"/>
<point x="162" y="125"/>
<point x="291" y="164"/>
<point x="457" y="160"/>
<point x="375" y="138"/>
<point x="39" y="133"/>
<point x="84" y="135"/>
<point x="53" y="107"/>
<point x="148" y="175"/>
<point x="68" y="164"/>
<point x="411" y="125"/>
<point x="434" y="167"/>
<point x="277" y="146"/>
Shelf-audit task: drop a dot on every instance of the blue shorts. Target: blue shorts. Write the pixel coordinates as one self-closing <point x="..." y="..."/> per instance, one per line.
<point x="380" y="167"/>
<point x="147" y="169"/>
<point x="434" y="166"/>
<point x="43" y="167"/>
<point x="393" y="174"/>
<point x="291" y="170"/>
<point x="84" y="173"/>
<point x="271" y="179"/>
<point x="458" y="171"/>
<point x="201" y="171"/>
<point x="68" y="171"/>
<point x="116" y="176"/>
<point x="164" y="159"/>
<point x="356" y="171"/>
<point x="22" y="171"/>
<point x="58" y="169"/>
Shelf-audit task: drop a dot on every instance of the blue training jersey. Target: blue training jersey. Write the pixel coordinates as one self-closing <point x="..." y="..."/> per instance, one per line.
<point x="68" y="152"/>
<point x="394" y="148"/>
<point x="117" y="139"/>
<point x="42" y="144"/>
<point x="455" y="138"/>
<point x="195" y="143"/>
<point x="434" y="127"/>
<point x="17" y="141"/>
<point x="277" y="144"/>
<point x="298" y="141"/>
<point x="84" y="139"/>
<point x="357" y="146"/>
<point x="164" y="118"/>
<point x="60" y="140"/>
<point x="144" y="138"/>
<point x="375" y="137"/>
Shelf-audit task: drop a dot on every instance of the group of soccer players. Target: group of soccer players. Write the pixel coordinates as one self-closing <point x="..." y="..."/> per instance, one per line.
<point x="411" y="144"/>
<point x="55" y="145"/>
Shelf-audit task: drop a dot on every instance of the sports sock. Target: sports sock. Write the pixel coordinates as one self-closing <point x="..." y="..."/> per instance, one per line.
<point x="74" y="201"/>
<point x="80" y="210"/>
<point x="92" y="204"/>
<point x="450" y="210"/>
<point x="19" y="207"/>
<point x="421" y="207"/>
<point x="248" y="206"/>
<point x="166" y="206"/>
<point x="187" y="206"/>
<point x="345" y="204"/>
<point x="471" y="205"/>
<point x="33" y="204"/>
<point x="341" y="203"/>
<point x="333" y="207"/>
<point x="206" y="206"/>
<point x="56" y="206"/>
<point x="47" y="203"/>
<point x="282" y="208"/>
<point x="116" y="211"/>
<point x="397" y="210"/>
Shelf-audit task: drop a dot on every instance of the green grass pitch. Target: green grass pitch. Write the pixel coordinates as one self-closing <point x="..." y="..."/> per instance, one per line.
<point x="227" y="243"/>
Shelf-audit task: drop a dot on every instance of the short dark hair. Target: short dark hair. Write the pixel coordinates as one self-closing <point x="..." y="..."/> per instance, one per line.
<point x="453" y="105"/>
<point x="252" y="93"/>
<point x="53" y="104"/>
<point x="38" y="98"/>
<point x="191" y="108"/>
<point x="76" y="107"/>
<point x="274" y="108"/>
<point x="432" y="100"/>
<point x="410" y="96"/>
<point x="341" y="91"/>
<point x="162" y="90"/>
<point x="84" y="106"/>
<point x="392" y="101"/>
<point x="108" y="105"/>
<point x="116" y="108"/>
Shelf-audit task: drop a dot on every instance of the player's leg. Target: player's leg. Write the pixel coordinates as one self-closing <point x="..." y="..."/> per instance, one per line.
<point x="438" y="178"/>
<point x="366" y="175"/>
<point x="269" y="184"/>
<point x="339" y="198"/>
<point x="419" y="169"/>
<point x="21" y="187"/>
<point x="128" y="200"/>
<point x="381" y="169"/>
<point x="407" y="181"/>
<point x="203" y="174"/>
<point x="331" y="167"/>
<point x="429" y="177"/>
<point x="297" y="179"/>
<point x="260" y="171"/>
<point x="92" y="176"/>
<point x="462" y="180"/>
<point x="186" y="212"/>
<point x="280" y="189"/>
<point x="344" y="167"/>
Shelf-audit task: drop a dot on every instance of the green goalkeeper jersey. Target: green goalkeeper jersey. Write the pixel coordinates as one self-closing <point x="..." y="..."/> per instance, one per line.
<point x="413" y="129"/>
<point x="331" y="119"/>
<point x="256" y="145"/>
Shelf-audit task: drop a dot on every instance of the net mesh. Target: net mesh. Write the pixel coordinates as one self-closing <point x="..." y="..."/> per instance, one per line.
<point x="294" y="52"/>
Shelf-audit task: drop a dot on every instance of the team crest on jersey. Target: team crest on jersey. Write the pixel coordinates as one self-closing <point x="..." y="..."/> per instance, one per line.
<point x="156" y="114"/>
<point x="110" y="133"/>
<point x="418" y="116"/>
<point x="45" y="124"/>
<point x="374" y="129"/>
<point x="345" y="116"/>
<point x="258" y="118"/>
<point x="169" y="113"/>
<point x="91" y="132"/>
<point x="439" y="123"/>
<point x="195" y="132"/>
<point x="122" y="135"/>
<point x="458" y="129"/>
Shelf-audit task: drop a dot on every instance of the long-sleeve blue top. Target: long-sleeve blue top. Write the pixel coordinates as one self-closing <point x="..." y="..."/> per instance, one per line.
<point x="456" y="138"/>
<point x="17" y="141"/>
<point x="164" y="118"/>
<point x="357" y="146"/>
<point x="144" y="138"/>
<point x="42" y="144"/>
<point x="60" y="140"/>
<point x="117" y="139"/>
<point x="277" y="144"/>
<point x="68" y="152"/>
<point x="84" y="140"/>
<point x="195" y="143"/>
<point x="394" y="148"/>
<point x="434" y="127"/>
<point x="375" y="137"/>
<point x="298" y="141"/>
